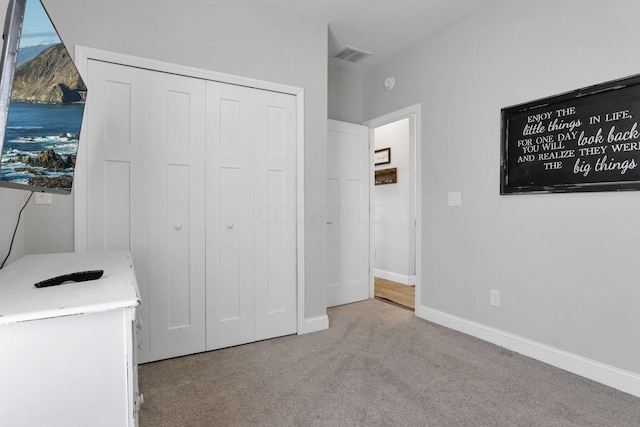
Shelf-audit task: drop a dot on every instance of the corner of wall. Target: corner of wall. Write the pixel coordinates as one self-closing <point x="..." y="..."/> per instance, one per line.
<point x="314" y="324"/>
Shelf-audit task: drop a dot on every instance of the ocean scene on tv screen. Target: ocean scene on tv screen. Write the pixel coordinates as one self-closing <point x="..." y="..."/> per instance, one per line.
<point x="45" y="113"/>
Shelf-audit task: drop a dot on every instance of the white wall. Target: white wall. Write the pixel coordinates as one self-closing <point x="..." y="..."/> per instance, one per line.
<point x="392" y="205"/>
<point x="345" y="95"/>
<point x="11" y="201"/>
<point x="47" y="226"/>
<point x="241" y="37"/>
<point x="566" y="264"/>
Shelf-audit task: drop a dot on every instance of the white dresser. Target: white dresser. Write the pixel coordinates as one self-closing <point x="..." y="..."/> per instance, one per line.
<point x="68" y="352"/>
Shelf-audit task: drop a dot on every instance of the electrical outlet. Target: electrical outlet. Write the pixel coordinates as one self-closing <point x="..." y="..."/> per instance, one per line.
<point x="454" y="198"/>
<point x="494" y="298"/>
<point x="43" y="199"/>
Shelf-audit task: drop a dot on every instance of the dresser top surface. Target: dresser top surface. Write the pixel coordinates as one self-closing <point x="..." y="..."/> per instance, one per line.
<point x="21" y="301"/>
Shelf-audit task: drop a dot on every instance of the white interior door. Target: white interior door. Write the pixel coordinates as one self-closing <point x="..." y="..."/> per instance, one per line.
<point x="116" y="157"/>
<point x="118" y="99"/>
<point x="348" y="187"/>
<point x="229" y="221"/>
<point x="276" y="214"/>
<point x="251" y="215"/>
<point x="176" y="220"/>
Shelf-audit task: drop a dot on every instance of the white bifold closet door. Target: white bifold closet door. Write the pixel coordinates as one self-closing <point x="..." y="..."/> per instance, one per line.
<point x="176" y="215"/>
<point x="251" y="215"/>
<point x="115" y="142"/>
<point x="198" y="179"/>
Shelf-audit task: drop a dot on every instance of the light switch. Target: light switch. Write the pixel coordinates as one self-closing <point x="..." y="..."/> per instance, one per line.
<point x="43" y="199"/>
<point x="455" y="198"/>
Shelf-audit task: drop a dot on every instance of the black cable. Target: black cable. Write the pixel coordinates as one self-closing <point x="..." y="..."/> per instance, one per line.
<point x="16" y="230"/>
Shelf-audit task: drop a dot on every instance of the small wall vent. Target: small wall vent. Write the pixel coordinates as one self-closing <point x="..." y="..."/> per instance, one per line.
<point x="351" y="54"/>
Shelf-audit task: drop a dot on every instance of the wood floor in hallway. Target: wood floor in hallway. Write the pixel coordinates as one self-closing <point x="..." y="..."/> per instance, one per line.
<point x="395" y="292"/>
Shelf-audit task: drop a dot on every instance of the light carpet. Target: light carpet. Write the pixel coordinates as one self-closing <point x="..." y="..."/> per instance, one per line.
<point x="377" y="365"/>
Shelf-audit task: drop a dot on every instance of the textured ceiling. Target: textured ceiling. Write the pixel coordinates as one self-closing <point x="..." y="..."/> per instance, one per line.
<point x="382" y="27"/>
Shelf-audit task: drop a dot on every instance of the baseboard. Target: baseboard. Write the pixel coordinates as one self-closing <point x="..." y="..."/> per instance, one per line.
<point x="315" y="324"/>
<point x="611" y="376"/>
<point x="395" y="277"/>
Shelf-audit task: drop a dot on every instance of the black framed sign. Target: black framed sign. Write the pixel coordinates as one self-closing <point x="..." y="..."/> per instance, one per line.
<point x="585" y="140"/>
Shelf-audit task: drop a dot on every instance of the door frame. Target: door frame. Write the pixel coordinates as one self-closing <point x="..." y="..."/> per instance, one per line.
<point x="82" y="56"/>
<point x="411" y="112"/>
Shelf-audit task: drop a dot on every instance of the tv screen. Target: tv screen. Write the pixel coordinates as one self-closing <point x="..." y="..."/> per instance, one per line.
<point x="42" y="98"/>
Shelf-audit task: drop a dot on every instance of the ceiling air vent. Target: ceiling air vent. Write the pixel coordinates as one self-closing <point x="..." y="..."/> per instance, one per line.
<point x="351" y="54"/>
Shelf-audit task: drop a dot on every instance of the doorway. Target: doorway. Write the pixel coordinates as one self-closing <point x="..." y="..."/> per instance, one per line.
<point x="395" y="206"/>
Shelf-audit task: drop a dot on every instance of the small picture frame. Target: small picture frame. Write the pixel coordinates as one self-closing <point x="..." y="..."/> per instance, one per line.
<point x="382" y="156"/>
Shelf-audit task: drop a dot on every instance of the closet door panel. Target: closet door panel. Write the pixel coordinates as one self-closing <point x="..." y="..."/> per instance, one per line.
<point x="176" y="219"/>
<point x="116" y="196"/>
<point x="230" y="228"/>
<point x="116" y="129"/>
<point x="117" y="222"/>
<point x="275" y="233"/>
<point x="178" y="247"/>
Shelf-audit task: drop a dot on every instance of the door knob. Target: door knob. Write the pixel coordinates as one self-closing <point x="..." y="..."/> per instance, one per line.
<point x="230" y="225"/>
<point x="178" y="226"/>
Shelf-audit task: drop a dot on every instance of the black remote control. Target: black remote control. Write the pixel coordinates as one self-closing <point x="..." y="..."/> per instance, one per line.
<point x="80" y="276"/>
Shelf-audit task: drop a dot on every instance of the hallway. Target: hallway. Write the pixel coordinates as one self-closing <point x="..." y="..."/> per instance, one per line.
<point x="398" y="293"/>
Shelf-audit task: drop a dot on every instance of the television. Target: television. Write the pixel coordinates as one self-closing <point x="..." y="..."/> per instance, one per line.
<point x="42" y="99"/>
